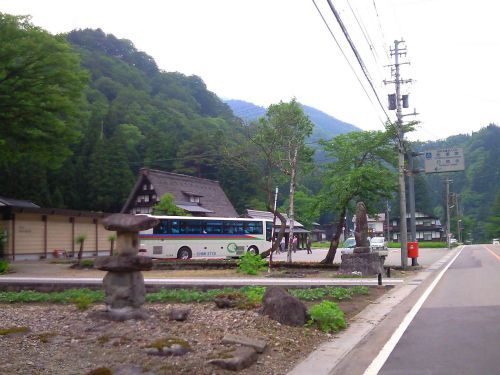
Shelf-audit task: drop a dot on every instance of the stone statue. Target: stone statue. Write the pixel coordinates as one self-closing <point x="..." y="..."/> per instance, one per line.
<point x="361" y="231"/>
<point x="361" y="260"/>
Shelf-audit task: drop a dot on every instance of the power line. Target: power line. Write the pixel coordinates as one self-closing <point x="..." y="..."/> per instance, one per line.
<point x="365" y="35"/>
<point x="348" y="62"/>
<point x="358" y="57"/>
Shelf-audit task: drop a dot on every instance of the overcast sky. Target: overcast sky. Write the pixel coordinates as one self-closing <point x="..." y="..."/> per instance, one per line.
<point x="264" y="51"/>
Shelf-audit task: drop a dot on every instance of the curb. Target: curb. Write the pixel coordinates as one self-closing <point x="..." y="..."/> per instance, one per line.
<point x="327" y="356"/>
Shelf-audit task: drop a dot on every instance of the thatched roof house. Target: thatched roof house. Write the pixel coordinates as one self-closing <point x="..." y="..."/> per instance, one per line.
<point x="198" y="196"/>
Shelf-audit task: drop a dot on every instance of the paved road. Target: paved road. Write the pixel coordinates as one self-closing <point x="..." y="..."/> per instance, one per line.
<point x="457" y="330"/>
<point x="426" y="258"/>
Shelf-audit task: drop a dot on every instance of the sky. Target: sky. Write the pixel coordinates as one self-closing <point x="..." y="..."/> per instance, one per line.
<point x="266" y="51"/>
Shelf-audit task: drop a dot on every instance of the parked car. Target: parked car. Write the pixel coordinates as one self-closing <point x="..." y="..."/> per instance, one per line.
<point x="379" y="245"/>
<point x="496" y="241"/>
<point x="348" y="246"/>
<point x="453" y="242"/>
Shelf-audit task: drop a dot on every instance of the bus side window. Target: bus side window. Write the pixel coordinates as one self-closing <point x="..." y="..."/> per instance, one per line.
<point x="175" y="226"/>
<point x="161" y="228"/>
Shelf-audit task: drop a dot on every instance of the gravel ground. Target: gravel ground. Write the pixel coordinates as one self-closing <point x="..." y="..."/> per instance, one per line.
<point x="64" y="340"/>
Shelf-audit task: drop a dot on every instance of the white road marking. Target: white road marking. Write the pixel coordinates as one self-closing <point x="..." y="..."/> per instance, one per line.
<point x="389" y="346"/>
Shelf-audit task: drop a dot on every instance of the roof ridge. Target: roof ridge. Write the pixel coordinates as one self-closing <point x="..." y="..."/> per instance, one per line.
<point x="157" y="171"/>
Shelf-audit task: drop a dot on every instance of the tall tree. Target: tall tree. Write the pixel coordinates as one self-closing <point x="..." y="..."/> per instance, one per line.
<point x="286" y="127"/>
<point x="41" y="85"/>
<point x="361" y="171"/>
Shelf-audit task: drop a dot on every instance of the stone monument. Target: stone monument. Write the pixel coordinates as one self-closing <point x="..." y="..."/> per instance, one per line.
<point x="124" y="284"/>
<point x="362" y="260"/>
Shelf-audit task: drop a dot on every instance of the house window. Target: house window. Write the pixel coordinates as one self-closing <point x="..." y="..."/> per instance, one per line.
<point x="145" y="187"/>
<point x="427" y="236"/>
<point x="394" y="222"/>
<point x="153" y="197"/>
<point x="194" y="199"/>
<point x="151" y="186"/>
<point x="146" y="198"/>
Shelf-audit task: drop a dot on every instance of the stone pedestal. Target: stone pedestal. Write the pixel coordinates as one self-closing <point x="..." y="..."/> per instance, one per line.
<point x="366" y="263"/>
<point x="124" y="286"/>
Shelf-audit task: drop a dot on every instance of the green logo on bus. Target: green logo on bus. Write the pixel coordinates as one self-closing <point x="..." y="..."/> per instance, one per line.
<point x="232" y="247"/>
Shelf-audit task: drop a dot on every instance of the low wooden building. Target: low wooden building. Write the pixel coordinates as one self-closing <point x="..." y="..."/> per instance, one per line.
<point x="198" y="196"/>
<point x="32" y="232"/>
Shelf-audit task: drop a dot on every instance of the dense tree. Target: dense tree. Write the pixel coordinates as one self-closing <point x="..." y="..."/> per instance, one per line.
<point x="41" y="86"/>
<point x="166" y="206"/>
<point x="361" y="172"/>
<point x="493" y="220"/>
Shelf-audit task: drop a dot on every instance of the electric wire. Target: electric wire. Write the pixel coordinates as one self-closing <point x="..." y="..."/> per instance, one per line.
<point x="365" y="34"/>
<point x="357" y="55"/>
<point x="348" y="62"/>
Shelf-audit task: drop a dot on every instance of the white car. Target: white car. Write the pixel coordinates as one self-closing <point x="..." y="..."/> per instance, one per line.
<point x="379" y="245"/>
<point x="496" y="241"/>
<point x="348" y="246"/>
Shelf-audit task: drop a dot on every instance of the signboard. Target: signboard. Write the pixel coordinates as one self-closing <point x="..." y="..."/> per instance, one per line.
<point x="445" y="160"/>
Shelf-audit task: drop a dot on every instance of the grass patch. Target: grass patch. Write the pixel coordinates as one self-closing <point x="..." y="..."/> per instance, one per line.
<point x="320" y="245"/>
<point x="83" y="298"/>
<point x="421" y="245"/>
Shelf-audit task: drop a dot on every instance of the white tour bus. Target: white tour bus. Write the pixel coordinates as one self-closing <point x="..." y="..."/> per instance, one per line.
<point x="184" y="237"/>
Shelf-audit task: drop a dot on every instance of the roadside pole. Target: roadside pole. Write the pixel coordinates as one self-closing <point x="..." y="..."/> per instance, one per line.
<point x="270" y="266"/>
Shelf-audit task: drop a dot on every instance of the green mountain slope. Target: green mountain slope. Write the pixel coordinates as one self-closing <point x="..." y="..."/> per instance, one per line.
<point x="325" y="126"/>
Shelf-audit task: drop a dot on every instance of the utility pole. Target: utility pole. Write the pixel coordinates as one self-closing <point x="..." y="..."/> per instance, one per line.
<point x="403" y="231"/>
<point x="447" y="181"/>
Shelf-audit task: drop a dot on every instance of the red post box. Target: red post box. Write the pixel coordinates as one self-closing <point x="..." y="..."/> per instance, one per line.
<point x="412" y="249"/>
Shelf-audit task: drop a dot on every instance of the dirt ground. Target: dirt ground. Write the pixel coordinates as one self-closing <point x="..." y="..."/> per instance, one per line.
<point x="64" y="340"/>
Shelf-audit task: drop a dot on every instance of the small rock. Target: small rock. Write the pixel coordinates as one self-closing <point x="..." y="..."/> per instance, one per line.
<point x="258" y="345"/>
<point x="241" y="358"/>
<point x="179" y="315"/>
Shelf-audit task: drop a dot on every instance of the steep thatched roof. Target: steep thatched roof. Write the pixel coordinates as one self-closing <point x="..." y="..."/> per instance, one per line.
<point x="212" y="199"/>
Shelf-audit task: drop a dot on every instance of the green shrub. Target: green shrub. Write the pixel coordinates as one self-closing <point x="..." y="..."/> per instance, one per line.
<point x="327" y="317"/>
<point x="4" y="266"/>
<point x="87" y="263"/>
<point x="251" y="263"/>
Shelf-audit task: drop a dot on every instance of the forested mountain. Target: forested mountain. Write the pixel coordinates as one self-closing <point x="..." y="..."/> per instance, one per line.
<point x="325" y="126"/>
<point x="132" y="115"/>
<point x="473" y="191"/>
<point x="477" y="187"/>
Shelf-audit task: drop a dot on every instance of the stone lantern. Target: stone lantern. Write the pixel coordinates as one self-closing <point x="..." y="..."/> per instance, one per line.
<point x="124" y="283"/>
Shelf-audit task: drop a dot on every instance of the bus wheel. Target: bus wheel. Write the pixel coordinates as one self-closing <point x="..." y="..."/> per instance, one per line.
<point x="253" y="249"/>
<point x="184" y="253"/>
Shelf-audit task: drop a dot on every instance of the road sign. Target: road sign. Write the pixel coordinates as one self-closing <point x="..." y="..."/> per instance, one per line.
<point x="445" y="160"/>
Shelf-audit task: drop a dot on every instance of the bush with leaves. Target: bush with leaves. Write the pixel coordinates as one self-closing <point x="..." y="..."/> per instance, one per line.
<point x="4" y="266"/>
<point x="251" y="263"/>
<point x="327" y="316"/>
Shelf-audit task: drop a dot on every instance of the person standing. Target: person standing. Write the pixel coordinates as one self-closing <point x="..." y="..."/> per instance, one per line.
<point x="282" y="245"/>
<point x="309" y="244"/>
<point x="295" y="243"/>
